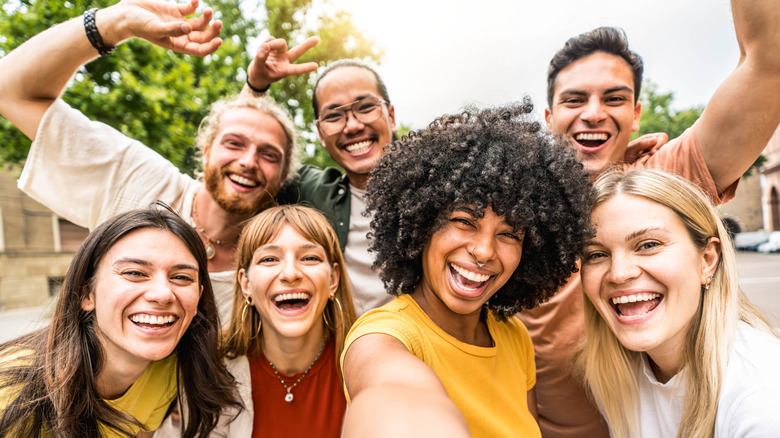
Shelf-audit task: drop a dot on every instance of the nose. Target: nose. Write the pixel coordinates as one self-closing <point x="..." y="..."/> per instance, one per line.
<point x="352" y="124"/>
<point x="291" y="273"/>
<point x="622" y="269"/>
<point x="483" y="247"/>
<point x="248" y="158"/>
<point x="160" y="291"/>
<point x="593" y="113"/>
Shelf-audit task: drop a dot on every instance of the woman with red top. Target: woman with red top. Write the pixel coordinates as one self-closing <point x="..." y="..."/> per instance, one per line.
<point x="291" y="313"/>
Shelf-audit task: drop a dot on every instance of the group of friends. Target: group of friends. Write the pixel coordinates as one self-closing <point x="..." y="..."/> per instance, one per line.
<point x="489" y="275"/>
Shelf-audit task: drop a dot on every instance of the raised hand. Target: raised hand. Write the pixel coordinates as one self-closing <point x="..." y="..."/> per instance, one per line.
<point x="274" y="61"/>
<point x="166" y="25"/>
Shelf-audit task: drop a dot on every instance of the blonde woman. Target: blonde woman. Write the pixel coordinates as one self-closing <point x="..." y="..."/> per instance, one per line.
<point x="291" y="313"/>
<point x="673" y="347"/>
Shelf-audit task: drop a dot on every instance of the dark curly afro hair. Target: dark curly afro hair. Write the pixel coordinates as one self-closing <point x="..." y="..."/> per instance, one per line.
<point x="497" y="157"/>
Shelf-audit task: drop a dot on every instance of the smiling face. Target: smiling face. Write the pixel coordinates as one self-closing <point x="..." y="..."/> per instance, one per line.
<point x="144" y="294"/>
<point x="593" y="106"/>
<point x="244" y="166"/>
<point x="644" y="275"/>
<point x="290" y="280"/>
<point x="358" y="146"/>
<point x="453" y="283"/>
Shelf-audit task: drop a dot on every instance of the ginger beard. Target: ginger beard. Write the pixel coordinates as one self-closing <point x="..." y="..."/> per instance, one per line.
<point x="260" y="197"/>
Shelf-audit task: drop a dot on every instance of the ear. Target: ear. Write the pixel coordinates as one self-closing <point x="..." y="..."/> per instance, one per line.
<point x="637" y="115"/>
<point x="200" y="294"/>
<point x="548" y="119"/>
<point x="88" y="302"/>
<point x="243" y="280"/>
<point x="391" y="116"/>
<point x="335" y="275"/>
<point x="710" y="258"/>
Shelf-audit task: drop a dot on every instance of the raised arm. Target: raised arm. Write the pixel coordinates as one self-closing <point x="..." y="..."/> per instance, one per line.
<point x="35" y="74"/>
<point x="273" y="61"/>
<point x="745" y="110"/>
<point x="379" y="371"/>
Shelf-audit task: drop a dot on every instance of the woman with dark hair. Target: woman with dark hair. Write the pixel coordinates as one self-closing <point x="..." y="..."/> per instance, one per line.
<point x="477" y="216"/>
<point x="292" y="310"/>
<point x="673" y="347"/>
<point x="135" y="324"/>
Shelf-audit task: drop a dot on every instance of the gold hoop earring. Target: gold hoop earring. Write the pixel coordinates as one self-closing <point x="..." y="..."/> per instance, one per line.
<point x="325" y="316"/>
<point x="247" y="304"/>
<point x="709" y="281"/>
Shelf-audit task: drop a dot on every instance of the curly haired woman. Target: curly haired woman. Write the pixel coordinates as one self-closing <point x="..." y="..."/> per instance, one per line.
<point x="477" y="216"/>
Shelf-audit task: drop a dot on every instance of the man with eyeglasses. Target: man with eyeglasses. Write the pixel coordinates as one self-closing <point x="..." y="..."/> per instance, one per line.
<point x="355" y="120"/>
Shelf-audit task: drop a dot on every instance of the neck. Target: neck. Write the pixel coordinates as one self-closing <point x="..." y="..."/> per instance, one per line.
<point x="220" y="226"/>
<point x="293" y="355"/>
<point x="466" y="328"/>
<point x="115" y="378"/>
<point x="358" y="180"/>
<point x="666" y="366"/>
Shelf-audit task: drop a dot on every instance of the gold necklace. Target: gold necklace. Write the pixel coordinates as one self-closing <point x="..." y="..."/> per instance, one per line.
<point x="289" y="396"/>
<point x="210" y="252"/>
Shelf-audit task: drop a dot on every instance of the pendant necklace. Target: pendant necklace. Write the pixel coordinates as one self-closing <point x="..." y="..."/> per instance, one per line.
<point x="210" y="252"/>
<point x="289" y="396"/>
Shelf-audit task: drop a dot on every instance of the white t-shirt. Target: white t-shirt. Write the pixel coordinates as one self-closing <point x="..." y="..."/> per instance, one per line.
<point x="749" y="403"/>
<point x="88" y="172"/>
<point x="368" y="291"/>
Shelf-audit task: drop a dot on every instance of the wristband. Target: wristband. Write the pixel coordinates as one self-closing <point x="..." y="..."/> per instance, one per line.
<point x="93" y="35"/>
<point x="255" y="89"/>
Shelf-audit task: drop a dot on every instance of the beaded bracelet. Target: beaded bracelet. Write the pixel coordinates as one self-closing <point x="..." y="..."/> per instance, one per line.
<point x="93" y="35"/>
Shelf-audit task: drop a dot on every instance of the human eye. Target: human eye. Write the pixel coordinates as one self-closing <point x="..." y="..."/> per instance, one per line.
<point x="593" y="256"/>
<point x="616" y="100"/>
<point x="366" y="106"/>
<point x="183" y="278"/>
<point x="312" y="258"/>
<point x="572" y="101"/>
<point x="648" y="245"/>
<point x="271" y="157"/>
<point x="331" y="117"/>
<point x="266" y="260"/>
<point x="513" y="235"/>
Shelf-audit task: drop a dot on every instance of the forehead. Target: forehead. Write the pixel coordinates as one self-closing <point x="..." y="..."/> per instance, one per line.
<point x="595" y="73"/>
<point x="254" y="125"/>
<point x="625" y="213"/>
<point x="289" y="237"/>
<point x="152" y="245"/>
<point x="345" y="85"/>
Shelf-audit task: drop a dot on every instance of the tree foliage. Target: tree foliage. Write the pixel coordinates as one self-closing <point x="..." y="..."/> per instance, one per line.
<point x="159" y="97"/>
<point x="658" y="116"/>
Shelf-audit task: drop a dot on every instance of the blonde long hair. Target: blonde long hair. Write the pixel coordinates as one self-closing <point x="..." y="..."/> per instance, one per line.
<point x="611" y="371"/>
<point x="312" y="225"/>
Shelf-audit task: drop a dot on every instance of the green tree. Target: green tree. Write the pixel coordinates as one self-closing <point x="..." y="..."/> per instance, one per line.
<point x="159" y="97"/>
<point x="657" y="116"/>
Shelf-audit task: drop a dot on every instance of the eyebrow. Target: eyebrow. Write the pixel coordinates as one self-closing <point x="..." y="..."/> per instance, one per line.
<point x="607" y="91"/>
<point x="307" y="245"/>
<point x="142" y="262"/>
<point x="361" y="96"/>
<point x="638" y="233"/>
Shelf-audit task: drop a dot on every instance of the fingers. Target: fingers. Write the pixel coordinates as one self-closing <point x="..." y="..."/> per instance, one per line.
<point x="207" y="35"/>
<point x="299" y="69"/>
<point x="198" y="49"/>
<point x="302" y="48"/>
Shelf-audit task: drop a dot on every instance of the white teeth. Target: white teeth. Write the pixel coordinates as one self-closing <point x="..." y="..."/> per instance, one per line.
<point x="143" y="318"/>
<point x="595" y="136"/>
<point x="292" y="296"/>
<point x="473" y="276"/>
<point x="634" y="298"/>
<point x="358" y="147"/>
<point x="242" y="180"/>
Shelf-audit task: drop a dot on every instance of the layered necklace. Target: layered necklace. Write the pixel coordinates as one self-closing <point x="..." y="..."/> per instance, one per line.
<point x="210" y="252"/>
<point x="289" y="396"/>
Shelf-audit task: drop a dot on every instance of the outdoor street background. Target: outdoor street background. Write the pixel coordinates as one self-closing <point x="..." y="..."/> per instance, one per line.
<point x="759" y="276"/>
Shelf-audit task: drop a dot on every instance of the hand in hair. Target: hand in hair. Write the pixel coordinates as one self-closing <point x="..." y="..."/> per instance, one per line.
<point x="274" y="61"/>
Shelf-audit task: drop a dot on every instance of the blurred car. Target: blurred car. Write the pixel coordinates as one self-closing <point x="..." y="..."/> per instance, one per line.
<point x="750" y="241"/>
<point x="772" y="245"/>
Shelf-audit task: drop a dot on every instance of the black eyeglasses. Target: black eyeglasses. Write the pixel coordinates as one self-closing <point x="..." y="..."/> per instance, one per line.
<point x="365" y="110"/>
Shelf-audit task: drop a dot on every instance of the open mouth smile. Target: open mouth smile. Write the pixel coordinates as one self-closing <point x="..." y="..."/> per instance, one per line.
<point x="636" y="305"/>
<point x="359" y="147"/>
<point x="146" y="320"/>
<point x="242" y="181"/>
<point x="291" y="302"/>
<point x="591" y="140"/>
<point x="470" y="283"/>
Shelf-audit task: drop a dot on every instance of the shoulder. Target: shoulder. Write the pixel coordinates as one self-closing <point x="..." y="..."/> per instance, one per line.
<point x="311" y="183"/>
<point x="748" y="401"/>
<point x="397" y="318"/>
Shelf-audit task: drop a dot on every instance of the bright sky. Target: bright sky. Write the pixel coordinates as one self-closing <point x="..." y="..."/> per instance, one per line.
<point x="443" y="54"/>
